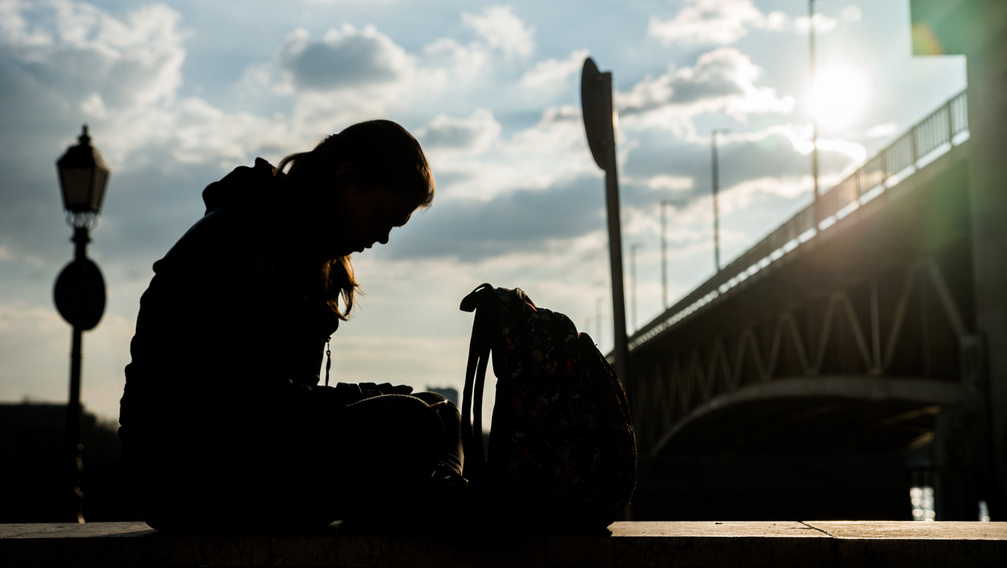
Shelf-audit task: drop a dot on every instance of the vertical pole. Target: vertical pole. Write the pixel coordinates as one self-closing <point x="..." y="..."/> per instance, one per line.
<point x="986" y="115"/>
<point x="664" y="257"/>
<point x="597" y="318"/>
<point x="620" y="343"/>
<point x="74" y="412"/>
<point x="599" y="125"/>
<point x="73" y="423"/>
<point x="814" y="119"/>
<point x="716" y="213"/>
<point x="632" y="275"/>
<point x="912" y="144"/>
<point x="949" y="111"/>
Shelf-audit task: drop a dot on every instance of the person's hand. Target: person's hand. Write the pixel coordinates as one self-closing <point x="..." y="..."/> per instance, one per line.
<point x="384" y="388"/>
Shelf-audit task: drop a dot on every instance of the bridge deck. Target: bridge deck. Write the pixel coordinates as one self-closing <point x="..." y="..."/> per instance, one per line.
<point x="706" y="544"/>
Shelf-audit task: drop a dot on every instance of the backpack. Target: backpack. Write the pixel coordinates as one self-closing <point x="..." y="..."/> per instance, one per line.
<point x="561" y="455"/>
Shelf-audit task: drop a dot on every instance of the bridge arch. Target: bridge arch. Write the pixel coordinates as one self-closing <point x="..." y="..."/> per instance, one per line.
<point x="854" y="413"/>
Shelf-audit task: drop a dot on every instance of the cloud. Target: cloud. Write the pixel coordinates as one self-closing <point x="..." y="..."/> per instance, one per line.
<point x="205" y="134"/>
<point x="15" y="317"/>
<point x="345" y="58"/>
<point x="823" y="24"/>
<point x="664" y="182"/>
<point x="473" y="134"/>
<point x="553" y="75"/>
<point x="63" y="63"/>
<point x="83" y="52"/>
<point x="707" y="22"/>
<point x="119" y="73"/>
<point x="536" y="157"/>
<point x="772" y="163"/>
<point x="741" y="195"/>
<point x="719" y="73"/>
<point x="352" y="73"/>
<point x="449" y="70"/>
<point x="445" y="60"/>
<point x="723" y="22"/>
<point x="502" y="30"/>
<point x="554" y="148"/>
<point x="523" y="220"/>
<point x="851" y="13"/>
<point x="497" y="209"/>
<point x="722" y="80"/>
<point x="15" y="28"/>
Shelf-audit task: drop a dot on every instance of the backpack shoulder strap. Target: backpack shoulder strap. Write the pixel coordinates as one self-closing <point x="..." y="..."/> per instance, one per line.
<point x="478" y="301"/>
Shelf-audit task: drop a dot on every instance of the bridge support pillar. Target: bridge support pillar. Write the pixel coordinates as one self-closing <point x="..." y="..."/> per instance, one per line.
<point x="978" y="29"/>
<point x="986" y="53"/>
<point x="956" y="488"/>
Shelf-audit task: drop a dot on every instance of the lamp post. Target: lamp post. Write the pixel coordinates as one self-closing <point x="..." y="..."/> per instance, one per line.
<point x="599" y="321"/>
<point x="664" y="253"/>
<point x="814" y="119"/>
<point x="79" y="293"/>
<point x="716" y="188"/>
<point x="632" y="274"/>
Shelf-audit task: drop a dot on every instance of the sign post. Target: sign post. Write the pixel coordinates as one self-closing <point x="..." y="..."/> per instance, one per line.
<point x="599" y="124"/>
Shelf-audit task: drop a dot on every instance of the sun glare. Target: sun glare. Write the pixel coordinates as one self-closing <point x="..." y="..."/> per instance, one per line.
<point x="838" y="96"/>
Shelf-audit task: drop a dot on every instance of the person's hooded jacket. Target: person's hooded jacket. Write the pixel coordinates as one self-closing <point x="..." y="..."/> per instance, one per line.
<point x="226" y="336"/>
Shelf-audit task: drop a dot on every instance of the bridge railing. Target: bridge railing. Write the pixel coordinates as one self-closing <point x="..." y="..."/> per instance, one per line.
<point x="928" y="139"/>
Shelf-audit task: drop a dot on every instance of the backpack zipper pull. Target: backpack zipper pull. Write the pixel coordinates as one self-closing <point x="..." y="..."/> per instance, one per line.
<point x="328" y="359"/>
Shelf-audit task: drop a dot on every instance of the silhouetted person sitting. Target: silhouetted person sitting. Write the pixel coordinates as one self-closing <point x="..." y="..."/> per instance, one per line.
<point x="224" y="425"/>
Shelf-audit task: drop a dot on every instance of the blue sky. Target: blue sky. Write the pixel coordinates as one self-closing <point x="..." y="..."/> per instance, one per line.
<point x="178" y="93"/>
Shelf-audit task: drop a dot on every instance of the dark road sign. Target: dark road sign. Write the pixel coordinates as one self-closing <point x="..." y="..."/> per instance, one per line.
<point x="80" y="294"/>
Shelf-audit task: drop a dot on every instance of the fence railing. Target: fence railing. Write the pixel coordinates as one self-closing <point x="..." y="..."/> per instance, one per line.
<point x="931" y="137"/>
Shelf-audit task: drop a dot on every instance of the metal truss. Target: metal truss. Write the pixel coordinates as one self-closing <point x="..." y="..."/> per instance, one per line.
<point x="903" y="323"/>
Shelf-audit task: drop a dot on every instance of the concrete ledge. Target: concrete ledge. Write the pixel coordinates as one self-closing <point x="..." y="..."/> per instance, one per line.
<point x="666" y="544"/>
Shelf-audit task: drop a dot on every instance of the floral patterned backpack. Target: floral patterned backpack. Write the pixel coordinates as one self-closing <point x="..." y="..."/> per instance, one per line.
<point x="562" y="452"/>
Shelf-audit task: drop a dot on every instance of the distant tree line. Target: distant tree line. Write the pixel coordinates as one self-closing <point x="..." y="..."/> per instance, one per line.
<point x="38" y="480"/>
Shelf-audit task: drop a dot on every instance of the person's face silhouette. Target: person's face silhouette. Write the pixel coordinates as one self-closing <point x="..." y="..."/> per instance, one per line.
<point x="367" y="216"/>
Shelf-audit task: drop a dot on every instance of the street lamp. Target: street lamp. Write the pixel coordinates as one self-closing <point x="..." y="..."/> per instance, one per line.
<point x="598" y="319"/>
<point x="814" y="120"/>
<point x="79" y="293"/>
<point x="664" y="253"/>
<point x="82" y="179"/>
<point x="716" y="188"/>
<point x="632" y="274"/>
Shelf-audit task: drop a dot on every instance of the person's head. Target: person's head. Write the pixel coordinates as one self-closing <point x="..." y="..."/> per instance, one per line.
<point x="361" y="182"/>
<point x="356" y="186"/>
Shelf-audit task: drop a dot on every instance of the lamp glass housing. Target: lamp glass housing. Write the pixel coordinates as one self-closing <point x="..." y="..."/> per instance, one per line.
<point x="83" y="177"/>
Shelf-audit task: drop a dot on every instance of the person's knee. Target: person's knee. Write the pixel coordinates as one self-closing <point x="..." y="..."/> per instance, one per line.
<point x="431" y="398"/>
<point x="395" y="431"/>
<point x="445" y="408"/>
<point x="416" y="418"/>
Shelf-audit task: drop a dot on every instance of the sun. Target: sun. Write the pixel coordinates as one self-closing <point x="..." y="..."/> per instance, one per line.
<point x="838" y="96"/>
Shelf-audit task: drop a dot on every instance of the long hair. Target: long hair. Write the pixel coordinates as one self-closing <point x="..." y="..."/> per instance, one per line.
<point x="381" y="154"/>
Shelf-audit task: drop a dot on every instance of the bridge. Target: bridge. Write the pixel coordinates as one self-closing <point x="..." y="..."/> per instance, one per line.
<point x="860" y="348"/>
<point x="847" y="331"/>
